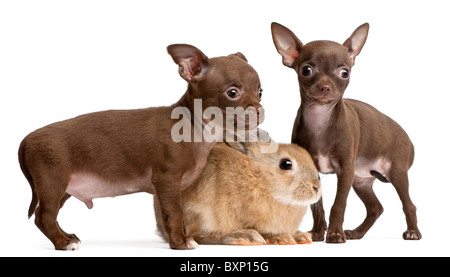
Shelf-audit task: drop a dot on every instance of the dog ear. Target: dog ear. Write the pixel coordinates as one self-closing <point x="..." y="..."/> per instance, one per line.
<point x="239" y="55"/>
<point x="191" y="61"/>
<point x="357" y="40"/>
<point x="286" y="42"/>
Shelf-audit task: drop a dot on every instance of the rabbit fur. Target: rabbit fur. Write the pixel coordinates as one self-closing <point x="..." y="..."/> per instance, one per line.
<point x="244" y="197"/>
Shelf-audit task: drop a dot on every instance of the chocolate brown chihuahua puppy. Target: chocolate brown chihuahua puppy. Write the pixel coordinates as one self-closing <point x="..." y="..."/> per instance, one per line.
<point x="344" y="136"/>
<point x="117" y="152"/>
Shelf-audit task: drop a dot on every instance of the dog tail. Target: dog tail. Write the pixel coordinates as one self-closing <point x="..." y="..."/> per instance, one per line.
<point x="379" y="176"/>
<point x="26" y="172"/>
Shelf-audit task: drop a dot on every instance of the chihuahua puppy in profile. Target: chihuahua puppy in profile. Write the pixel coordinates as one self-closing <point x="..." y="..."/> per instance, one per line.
<point x="346" y="137"/>
<point x="118" y="152"/>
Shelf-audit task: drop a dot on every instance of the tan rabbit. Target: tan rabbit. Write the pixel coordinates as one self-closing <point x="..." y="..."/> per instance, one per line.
<point x="244" y="197"/>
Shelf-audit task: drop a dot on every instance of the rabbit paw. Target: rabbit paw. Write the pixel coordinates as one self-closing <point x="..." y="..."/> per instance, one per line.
<point x="303" y="238"/>
<point x="279" y="239"/>
<point x="244" y="237"/>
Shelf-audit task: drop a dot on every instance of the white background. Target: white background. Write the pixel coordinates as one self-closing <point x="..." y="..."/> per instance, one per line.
<point x="60" y="59"/>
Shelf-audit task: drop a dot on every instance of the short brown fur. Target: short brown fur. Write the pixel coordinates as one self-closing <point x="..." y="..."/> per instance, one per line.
<point x="119" y="152"/>
<point x="344" y="136"/>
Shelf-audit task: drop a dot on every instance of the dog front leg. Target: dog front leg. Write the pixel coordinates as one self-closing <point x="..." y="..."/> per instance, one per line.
<point x="345" y="178"/>
<point x="320" y="225"/>
<point x="168" y="194"/>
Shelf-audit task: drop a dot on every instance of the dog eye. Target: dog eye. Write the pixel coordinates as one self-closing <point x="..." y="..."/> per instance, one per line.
<point x="344" y="73"/>
<point x="286" y="164"/>
<point x="260" y="93"/>
<point x="307" y="70"/>
<point x="233" y="93"/>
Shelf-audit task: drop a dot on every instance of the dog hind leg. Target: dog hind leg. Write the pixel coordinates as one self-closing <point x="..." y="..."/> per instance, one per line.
<point x="364" y="189"/>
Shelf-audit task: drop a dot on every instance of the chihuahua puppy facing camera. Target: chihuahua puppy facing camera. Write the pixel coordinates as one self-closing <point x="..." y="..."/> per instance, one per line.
<point x="346" y="137"/>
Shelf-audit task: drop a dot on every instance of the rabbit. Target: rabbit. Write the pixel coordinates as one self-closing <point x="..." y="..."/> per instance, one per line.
<point x="246" y="197"/>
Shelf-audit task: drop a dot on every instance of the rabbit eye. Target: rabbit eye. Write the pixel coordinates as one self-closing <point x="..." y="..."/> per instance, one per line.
<point x="286" y="164"/>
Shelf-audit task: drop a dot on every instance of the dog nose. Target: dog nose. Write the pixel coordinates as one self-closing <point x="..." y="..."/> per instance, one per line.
<point x="260" y="109"/>
<point x="325" y="88"/>
<point x="260" y="114"/>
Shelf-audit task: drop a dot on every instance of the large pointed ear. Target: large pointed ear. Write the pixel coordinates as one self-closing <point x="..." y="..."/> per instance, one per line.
<point x="357" y="40"/>
<point x="287" y="44"/>
<point x="191" y="61"/>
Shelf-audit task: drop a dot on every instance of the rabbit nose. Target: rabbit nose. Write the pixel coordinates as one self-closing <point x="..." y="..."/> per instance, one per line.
<point x="316" y="188"/>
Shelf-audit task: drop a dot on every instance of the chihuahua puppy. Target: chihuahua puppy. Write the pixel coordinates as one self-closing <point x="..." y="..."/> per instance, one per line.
<point x="344" y="136"/>
<point x="118" y="152"/>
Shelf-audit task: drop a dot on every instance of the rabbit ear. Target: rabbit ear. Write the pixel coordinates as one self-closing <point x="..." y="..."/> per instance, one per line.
<point x="239" y="146"/>
<point x="255" y="142"/>
<point x="250" y="149"/>
<point x="263" y="136"/>
<point x="244" y="144"/>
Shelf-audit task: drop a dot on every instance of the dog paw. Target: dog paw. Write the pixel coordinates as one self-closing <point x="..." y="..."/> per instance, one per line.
<point x="336" y="237"/>
<point x="412" y="235"/>
<point x="73" y="246"/>
<point x="67" y="244"/>
<point x="352" y="234"/>
<point x="317" y="235"/>
<point x="186" y="243"/>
